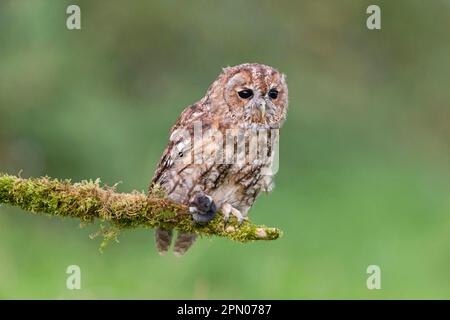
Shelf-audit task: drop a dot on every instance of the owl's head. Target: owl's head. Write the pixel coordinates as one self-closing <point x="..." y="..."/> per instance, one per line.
<point x="256" y="95"/>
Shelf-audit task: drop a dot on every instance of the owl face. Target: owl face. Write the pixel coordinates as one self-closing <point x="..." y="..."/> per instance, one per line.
<point x="256" y="95"/>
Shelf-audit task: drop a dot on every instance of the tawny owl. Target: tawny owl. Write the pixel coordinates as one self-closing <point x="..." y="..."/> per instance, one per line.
<point x="222" y="148"/>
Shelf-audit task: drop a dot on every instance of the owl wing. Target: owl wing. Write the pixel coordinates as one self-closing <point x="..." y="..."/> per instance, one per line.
<point x="178" y="146"/>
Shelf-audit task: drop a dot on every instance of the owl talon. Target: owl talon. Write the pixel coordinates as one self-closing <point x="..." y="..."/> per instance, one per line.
<point x="227" y="209"/>
<point x="203" y="209"/>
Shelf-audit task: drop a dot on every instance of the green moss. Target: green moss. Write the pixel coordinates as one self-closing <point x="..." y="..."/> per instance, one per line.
<point x="88" y="201"/>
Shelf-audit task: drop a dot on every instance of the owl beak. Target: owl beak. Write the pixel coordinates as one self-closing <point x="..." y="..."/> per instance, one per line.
<point x="262" y="109"/>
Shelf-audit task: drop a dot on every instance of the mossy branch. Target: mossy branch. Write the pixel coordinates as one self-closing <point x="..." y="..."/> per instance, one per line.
<point x="87" y="201"/>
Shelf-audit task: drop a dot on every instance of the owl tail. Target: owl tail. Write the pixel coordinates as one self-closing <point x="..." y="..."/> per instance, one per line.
<point x="163" y="239"/>
<point x="183" y="243"/>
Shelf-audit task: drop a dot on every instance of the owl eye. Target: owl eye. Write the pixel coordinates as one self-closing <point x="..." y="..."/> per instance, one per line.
<point x="273" y="93"/>
<point x="245" y="94"/>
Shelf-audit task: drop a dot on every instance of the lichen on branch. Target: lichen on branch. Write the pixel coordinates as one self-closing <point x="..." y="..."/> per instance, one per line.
<point x="88" y="200"/>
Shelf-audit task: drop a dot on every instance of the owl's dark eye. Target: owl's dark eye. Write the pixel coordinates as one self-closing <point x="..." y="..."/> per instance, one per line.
<point x="273" y="93"/>
<point x="245" y="94"/>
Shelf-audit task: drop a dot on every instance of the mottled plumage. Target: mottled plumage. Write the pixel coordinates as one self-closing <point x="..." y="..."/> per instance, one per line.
<point x="245" y="104"/>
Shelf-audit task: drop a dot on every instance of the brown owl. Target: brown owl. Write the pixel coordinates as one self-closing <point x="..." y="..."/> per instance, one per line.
<point x="222" y="149"/>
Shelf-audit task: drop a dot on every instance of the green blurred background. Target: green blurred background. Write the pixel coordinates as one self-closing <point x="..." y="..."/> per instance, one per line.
<point x="364" y="172"/>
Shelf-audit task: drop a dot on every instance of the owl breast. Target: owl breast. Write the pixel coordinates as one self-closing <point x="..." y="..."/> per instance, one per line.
<point x="238" y="184"/>
<point x="241" y="185"/>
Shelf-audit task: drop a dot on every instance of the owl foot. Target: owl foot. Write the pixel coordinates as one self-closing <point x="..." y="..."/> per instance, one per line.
<point x="203" y="209"/>
<point x="227" y="209"/>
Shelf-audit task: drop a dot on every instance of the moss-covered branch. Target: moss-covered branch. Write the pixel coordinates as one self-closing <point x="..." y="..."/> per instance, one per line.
<point x="87" y="200"/>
